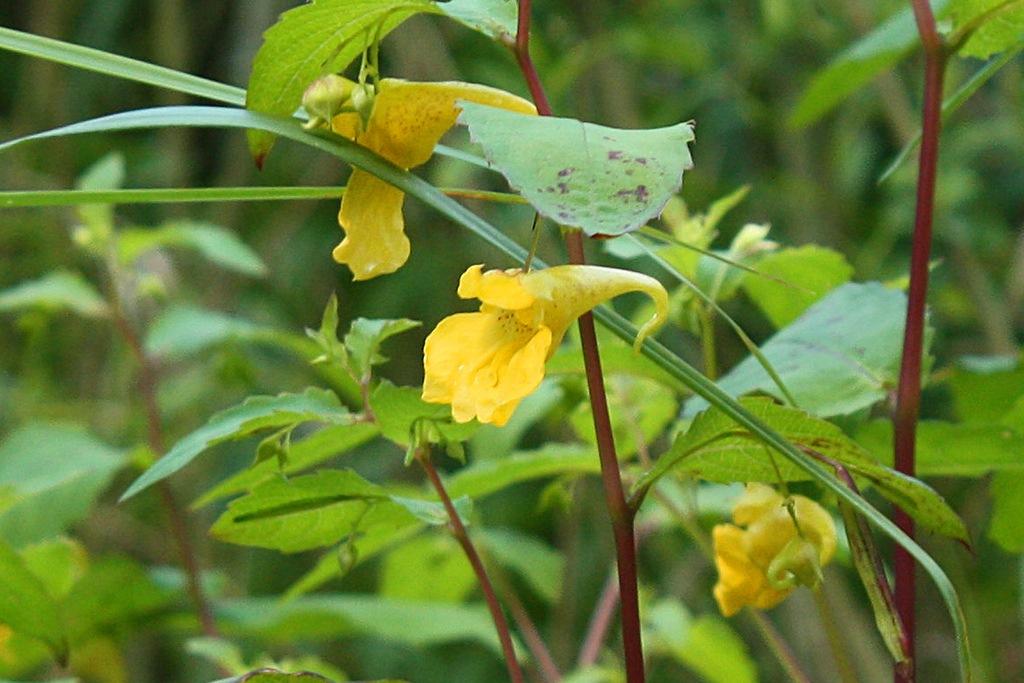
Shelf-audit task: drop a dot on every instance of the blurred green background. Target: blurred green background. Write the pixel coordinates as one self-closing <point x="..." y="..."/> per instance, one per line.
<point x="736" y="68"/>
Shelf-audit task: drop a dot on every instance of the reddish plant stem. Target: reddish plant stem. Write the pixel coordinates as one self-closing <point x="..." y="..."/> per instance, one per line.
<point x="908" y="393"/>
<point x="546" y="665"/>
<point x="600" y="620"/>
<point x="515" y="673"/>
<point x="622" y="516"/>
<point x="179" y="529"/>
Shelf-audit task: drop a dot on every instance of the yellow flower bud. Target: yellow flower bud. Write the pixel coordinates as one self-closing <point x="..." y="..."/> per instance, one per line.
<point x="758" y="566"/>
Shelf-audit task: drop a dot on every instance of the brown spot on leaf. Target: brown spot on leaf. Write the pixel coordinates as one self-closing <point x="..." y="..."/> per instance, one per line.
<point x="615" y="154"/>
<point x="566" y="172"/>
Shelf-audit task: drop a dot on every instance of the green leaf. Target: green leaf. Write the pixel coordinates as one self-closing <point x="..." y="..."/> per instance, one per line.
<point x="58" y="291"/>
<point x="312" y="40"/>
<point x="857" y="65"/>
<point x="58" y="562"/>
<point x="106" y="174"/>
<point x="554" y="459"/>
<point x="840" y="356"/>
<point x="716" y="449"/>
<point x="55" y="471"/>
<point x="985" y="388"/>
<point x="998" y="25"/>
<point x="496" y="19"/>
<point x="617" y="357"/>
<point x="947" y="449"/>
<point x="706" y="645"/>
<point x="274" y="676"/>
<point x="254" y="414"/>
<point x="400" y="410"/>
<point x="1007" y="524"/>
<point x="100" y="61"/>
<point x="329" y="616"/>
<point x="640" y="411"/>
<point x="664" y="359"/>
<point x="604" y="180"/>
<point x="434" y="513"/>
<point x="314" y="449"/>
<point x="114" y="592"/>
<point x="223" y="653"/>
<point x="308" y="511"/>
<point x="429" y="567"/>
<point x="540" y="566"/>
<point x="25" y="605"/>
<point x="811" y="272"/>
<point x="364" y="338"/>
<point x="185" y="330"/>
<point x="213" y="242"/>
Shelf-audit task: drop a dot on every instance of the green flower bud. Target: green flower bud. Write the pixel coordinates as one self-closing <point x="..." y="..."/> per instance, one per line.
<point x="325" y="97"/>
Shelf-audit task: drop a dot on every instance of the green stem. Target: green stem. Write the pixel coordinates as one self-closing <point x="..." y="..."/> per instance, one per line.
<point x="707" y="342"/>
<point x="835" y="638"/>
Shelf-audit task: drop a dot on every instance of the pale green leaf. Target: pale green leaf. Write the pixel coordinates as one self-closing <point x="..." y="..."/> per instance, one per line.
<point x="840" y="356"/>
<point x="706" y="645"/>
<point x="113" y="592"/>
<point x="216" y="244"/>
<point x="554" y="459"/>
<point x="312" y="450"/>
<point x="640" y="411"/>
<point x="998" y="25"/>
<point x="1007" y="524"/>
<point x="606" y="181"/>
<point x="948" y="449"/>
<point x="309" y="511"/>
<point x="274" y="676"/>
<point x="330" y="616"/>
<point x="429" y="567"/>
<point x="25" y="605"/>
<point x="55" y="471"/>
<point x="105" y="174"/>
<point x="58" y="562"/>
<point x="986" y="387"/>
<point x="312" y="40"/>
<point x="58" y="291"/>
<point x="810" y="271"/>
<point x="539" y="565"/>
<point x="496" y="19"/>
<point x="254" y="414"/>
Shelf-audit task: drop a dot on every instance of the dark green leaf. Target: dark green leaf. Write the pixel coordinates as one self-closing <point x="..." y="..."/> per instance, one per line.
<point x="55" y="471"/>
<point x="539" y="565"/>
<point x="314" y="449"/>
<point x="213" y="242"/>
<point x="986" y="387"/>
<point x="312" y="40"/>
<point x="365" y="337"/>
<point x="275" y="676"/>
<point x="706" y="645"/>
<point x="255" y="414"/>
<point x="308" y="511"/>
<point x="840" y="356"/>
<point x="858" y="64"/>
<point x="400" y="410"/>
<point x="604" y="180"/>
<point x="715" y="448"/>
<point x="114" y="591"/>
<point x="58" y="291"/>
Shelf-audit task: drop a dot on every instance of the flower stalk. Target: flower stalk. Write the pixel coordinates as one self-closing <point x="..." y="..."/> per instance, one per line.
<point x="908" y="394"/>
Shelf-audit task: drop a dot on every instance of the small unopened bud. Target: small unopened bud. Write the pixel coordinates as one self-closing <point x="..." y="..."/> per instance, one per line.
<point x="796" y="564"/>
<point x="362" y="100"/>
<point x="325" y="97"/>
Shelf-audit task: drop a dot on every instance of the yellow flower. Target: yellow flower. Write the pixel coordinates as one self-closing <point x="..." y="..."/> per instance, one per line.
<point x="405" y="123"/>
<point x="761" y="564"/>
<point x="485" y="363"/>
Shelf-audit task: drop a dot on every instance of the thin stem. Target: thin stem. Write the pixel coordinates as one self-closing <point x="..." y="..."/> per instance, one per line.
<point x="515" y="673"/>
<point x="835" y="639"/>
<point x="179" y="528"/>
<point x="600" y="620"/>
<point x="622" y="516"/>
<point x="908" y="393"/>
<point x="531" y="635"/>
<point x="779" y="647"/>
<point x="707" y="338"/>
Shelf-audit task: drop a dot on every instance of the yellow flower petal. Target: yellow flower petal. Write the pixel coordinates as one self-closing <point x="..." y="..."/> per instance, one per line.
<point x="499" y="288"/>
<point x="407" y="121"/>
<point x="371" y="214"/>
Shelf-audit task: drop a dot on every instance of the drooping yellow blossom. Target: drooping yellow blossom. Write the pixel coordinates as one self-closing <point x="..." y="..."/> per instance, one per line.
<point x="405" y="123"/>
<point x="761" y="564"/>
<point x="485" y="363"/>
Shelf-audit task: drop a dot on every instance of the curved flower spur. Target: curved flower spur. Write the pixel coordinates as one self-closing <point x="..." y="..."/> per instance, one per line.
<point x="485" y="363"/>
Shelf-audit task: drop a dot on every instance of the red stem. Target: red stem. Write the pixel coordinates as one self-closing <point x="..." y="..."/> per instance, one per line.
<point x="515" y="673"/>
<point x="908" y="394"/>
<point x="179" y="527"/>
<point x="622" y="516"/>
